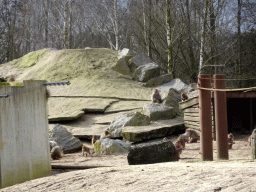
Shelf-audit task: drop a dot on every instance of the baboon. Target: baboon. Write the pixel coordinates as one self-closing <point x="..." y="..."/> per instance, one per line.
<point x="93" y="139"/>
<point x="178" y="148"/>
<point x="184" y="97"/>
<point x="249" y="140"/>
<point x="105" y="134"/>
<point x="182" y="139"/>
<point x="156" y="97"/>
<point x="56" y="153"/>
<point x="230" y="140"/>
<point x="193" y="136"/>
<point x="52" y="144"/>
<point x="11" y="79"/>
<point x="86" y="150"/>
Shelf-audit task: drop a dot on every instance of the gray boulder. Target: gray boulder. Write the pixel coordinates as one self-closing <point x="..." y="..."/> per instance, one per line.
<point x="127" y="119"/>
<point x="139" y="60"/>
<point x="122" y="67"/>
<point x="145" y="72"/>
<point x="65" y="139"/>
<point x="124" y="53"/>
<point x="158" y="111"/>
<point x="172" y="99"/>
<point x="111" y="147"/>
<point x="159" y="80"/>
<point x="152" y="152"/>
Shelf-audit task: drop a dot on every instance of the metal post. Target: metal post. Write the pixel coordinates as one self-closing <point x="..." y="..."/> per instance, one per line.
<point x="221" y="117"/>
<point x="205" y="114"/>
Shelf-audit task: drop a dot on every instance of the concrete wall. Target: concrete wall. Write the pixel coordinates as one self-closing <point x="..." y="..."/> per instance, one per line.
<point x="24" y="142"/>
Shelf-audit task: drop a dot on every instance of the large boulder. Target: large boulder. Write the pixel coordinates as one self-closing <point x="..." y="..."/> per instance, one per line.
<point x="111" y="147"/>
<point x="122" y="67"/>
<point x="153" y="82"/>
<point x="139" y="60"/>
<point x="145" y="72"/>
<point x="152" y="152"/>
<point x="172" y="99"/>
<point x="156" y="129"/>
<point x="134" y="118"/>
<point x="158" y="111"/>
<point x="65" y="139"/>
<point x="124" y="53"/>
<point x="175" y="84"/>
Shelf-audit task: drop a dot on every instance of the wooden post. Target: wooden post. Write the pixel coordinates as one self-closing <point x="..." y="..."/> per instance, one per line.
<point x="221" y="117"/>
<point x="205" y="113"/>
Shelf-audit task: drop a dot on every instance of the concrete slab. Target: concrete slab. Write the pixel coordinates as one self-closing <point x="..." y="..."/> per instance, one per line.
<point x="155" y="129"/>
<point x="125" y="106"/>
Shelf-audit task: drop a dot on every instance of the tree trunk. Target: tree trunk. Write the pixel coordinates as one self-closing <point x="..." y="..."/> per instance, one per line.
<point x="169" y="38"/>
<point x="238" y="67"/>
<point x="213" y="37"/>
<point x="203" y="37"/>
<point x="116" y="25"/>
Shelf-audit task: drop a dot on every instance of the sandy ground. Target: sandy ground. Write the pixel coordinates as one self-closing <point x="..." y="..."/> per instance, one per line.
<point x="188" y="174"/>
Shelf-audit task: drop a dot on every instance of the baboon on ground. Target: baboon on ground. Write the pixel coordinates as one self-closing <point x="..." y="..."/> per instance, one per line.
<point x="93" y="139"/>
<point x="178" y="148"/>
<point x="156" y="97"/>
<point x="184" y="97"/>
<point x="56" y="153"/>
<point x="183" y="138"/>
<point x="230" y="140"/>
<point x="52" y="144"/>
<point x="249" y="140"/>
<point x="11" y="79"/>
<point x="86" y="150"/>
<point x="193" y="136"/>
<point x="105" y="134"/>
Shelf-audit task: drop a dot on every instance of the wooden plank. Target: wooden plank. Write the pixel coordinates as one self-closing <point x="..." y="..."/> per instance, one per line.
<point x="192" y="123"/>
<point x="189" y="118"/>
<point x="191" y="110"/>
<point x="191" y="114"/>
<point x="192" y="127"/>
<point x="189" y="103"/>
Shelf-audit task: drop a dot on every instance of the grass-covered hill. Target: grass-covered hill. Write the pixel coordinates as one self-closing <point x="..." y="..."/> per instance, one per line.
<point x="95" y="86"/>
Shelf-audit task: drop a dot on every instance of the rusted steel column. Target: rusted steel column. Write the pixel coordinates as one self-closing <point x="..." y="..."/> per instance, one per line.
<point x="205" y="114"/>
<point x="221" y="117"/>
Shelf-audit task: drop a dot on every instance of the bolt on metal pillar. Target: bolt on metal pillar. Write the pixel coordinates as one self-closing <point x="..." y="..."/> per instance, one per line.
<point x="221" y="117"/>
<point x="205" y="113"/>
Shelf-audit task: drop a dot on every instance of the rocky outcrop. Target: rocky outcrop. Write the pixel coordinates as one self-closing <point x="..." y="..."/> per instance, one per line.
<point x="132" y="119"/>
<point x="139" y="60"/>
<point x="153" y="152"/>
<point x="156" y="129"/>
<point x="111" y="147"/>
<point x="124" y="53"/>
<point x="122" y="67"/>
<point x="145" y="72"/>
<point x="158" y="111"/>
<point x="65" y="139"/>
<point x="172" y="99"/>
<point x="153" y="82"/>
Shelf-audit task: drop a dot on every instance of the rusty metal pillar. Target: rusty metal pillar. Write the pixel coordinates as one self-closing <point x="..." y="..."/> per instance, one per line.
<point x="221" y="117"/>
<point x="204" y="81"/>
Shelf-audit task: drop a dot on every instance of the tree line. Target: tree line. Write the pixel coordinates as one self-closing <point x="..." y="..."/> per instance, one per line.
<point x="185" y="37"/>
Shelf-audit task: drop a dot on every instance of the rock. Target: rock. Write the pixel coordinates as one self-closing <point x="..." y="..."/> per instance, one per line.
<point x="124" y="53"/>
<point x="153" y="152"/>
<point x="133" y="119"/>
<point x="111" y="147"/>
<point x="122" y="67"/>
<point x="155" y="129"/>
<point x="138" y="60"/>
<point x="172" y="99"/>
<point x="159" y="80"/>
<point x="158" y="111"/>
<point x="175" y="84"/>
<point x="65" y="139"/>
<point x="145" y="72"/>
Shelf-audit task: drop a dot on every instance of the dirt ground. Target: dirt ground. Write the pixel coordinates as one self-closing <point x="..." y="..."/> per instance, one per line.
<point x="188" y="174"/>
